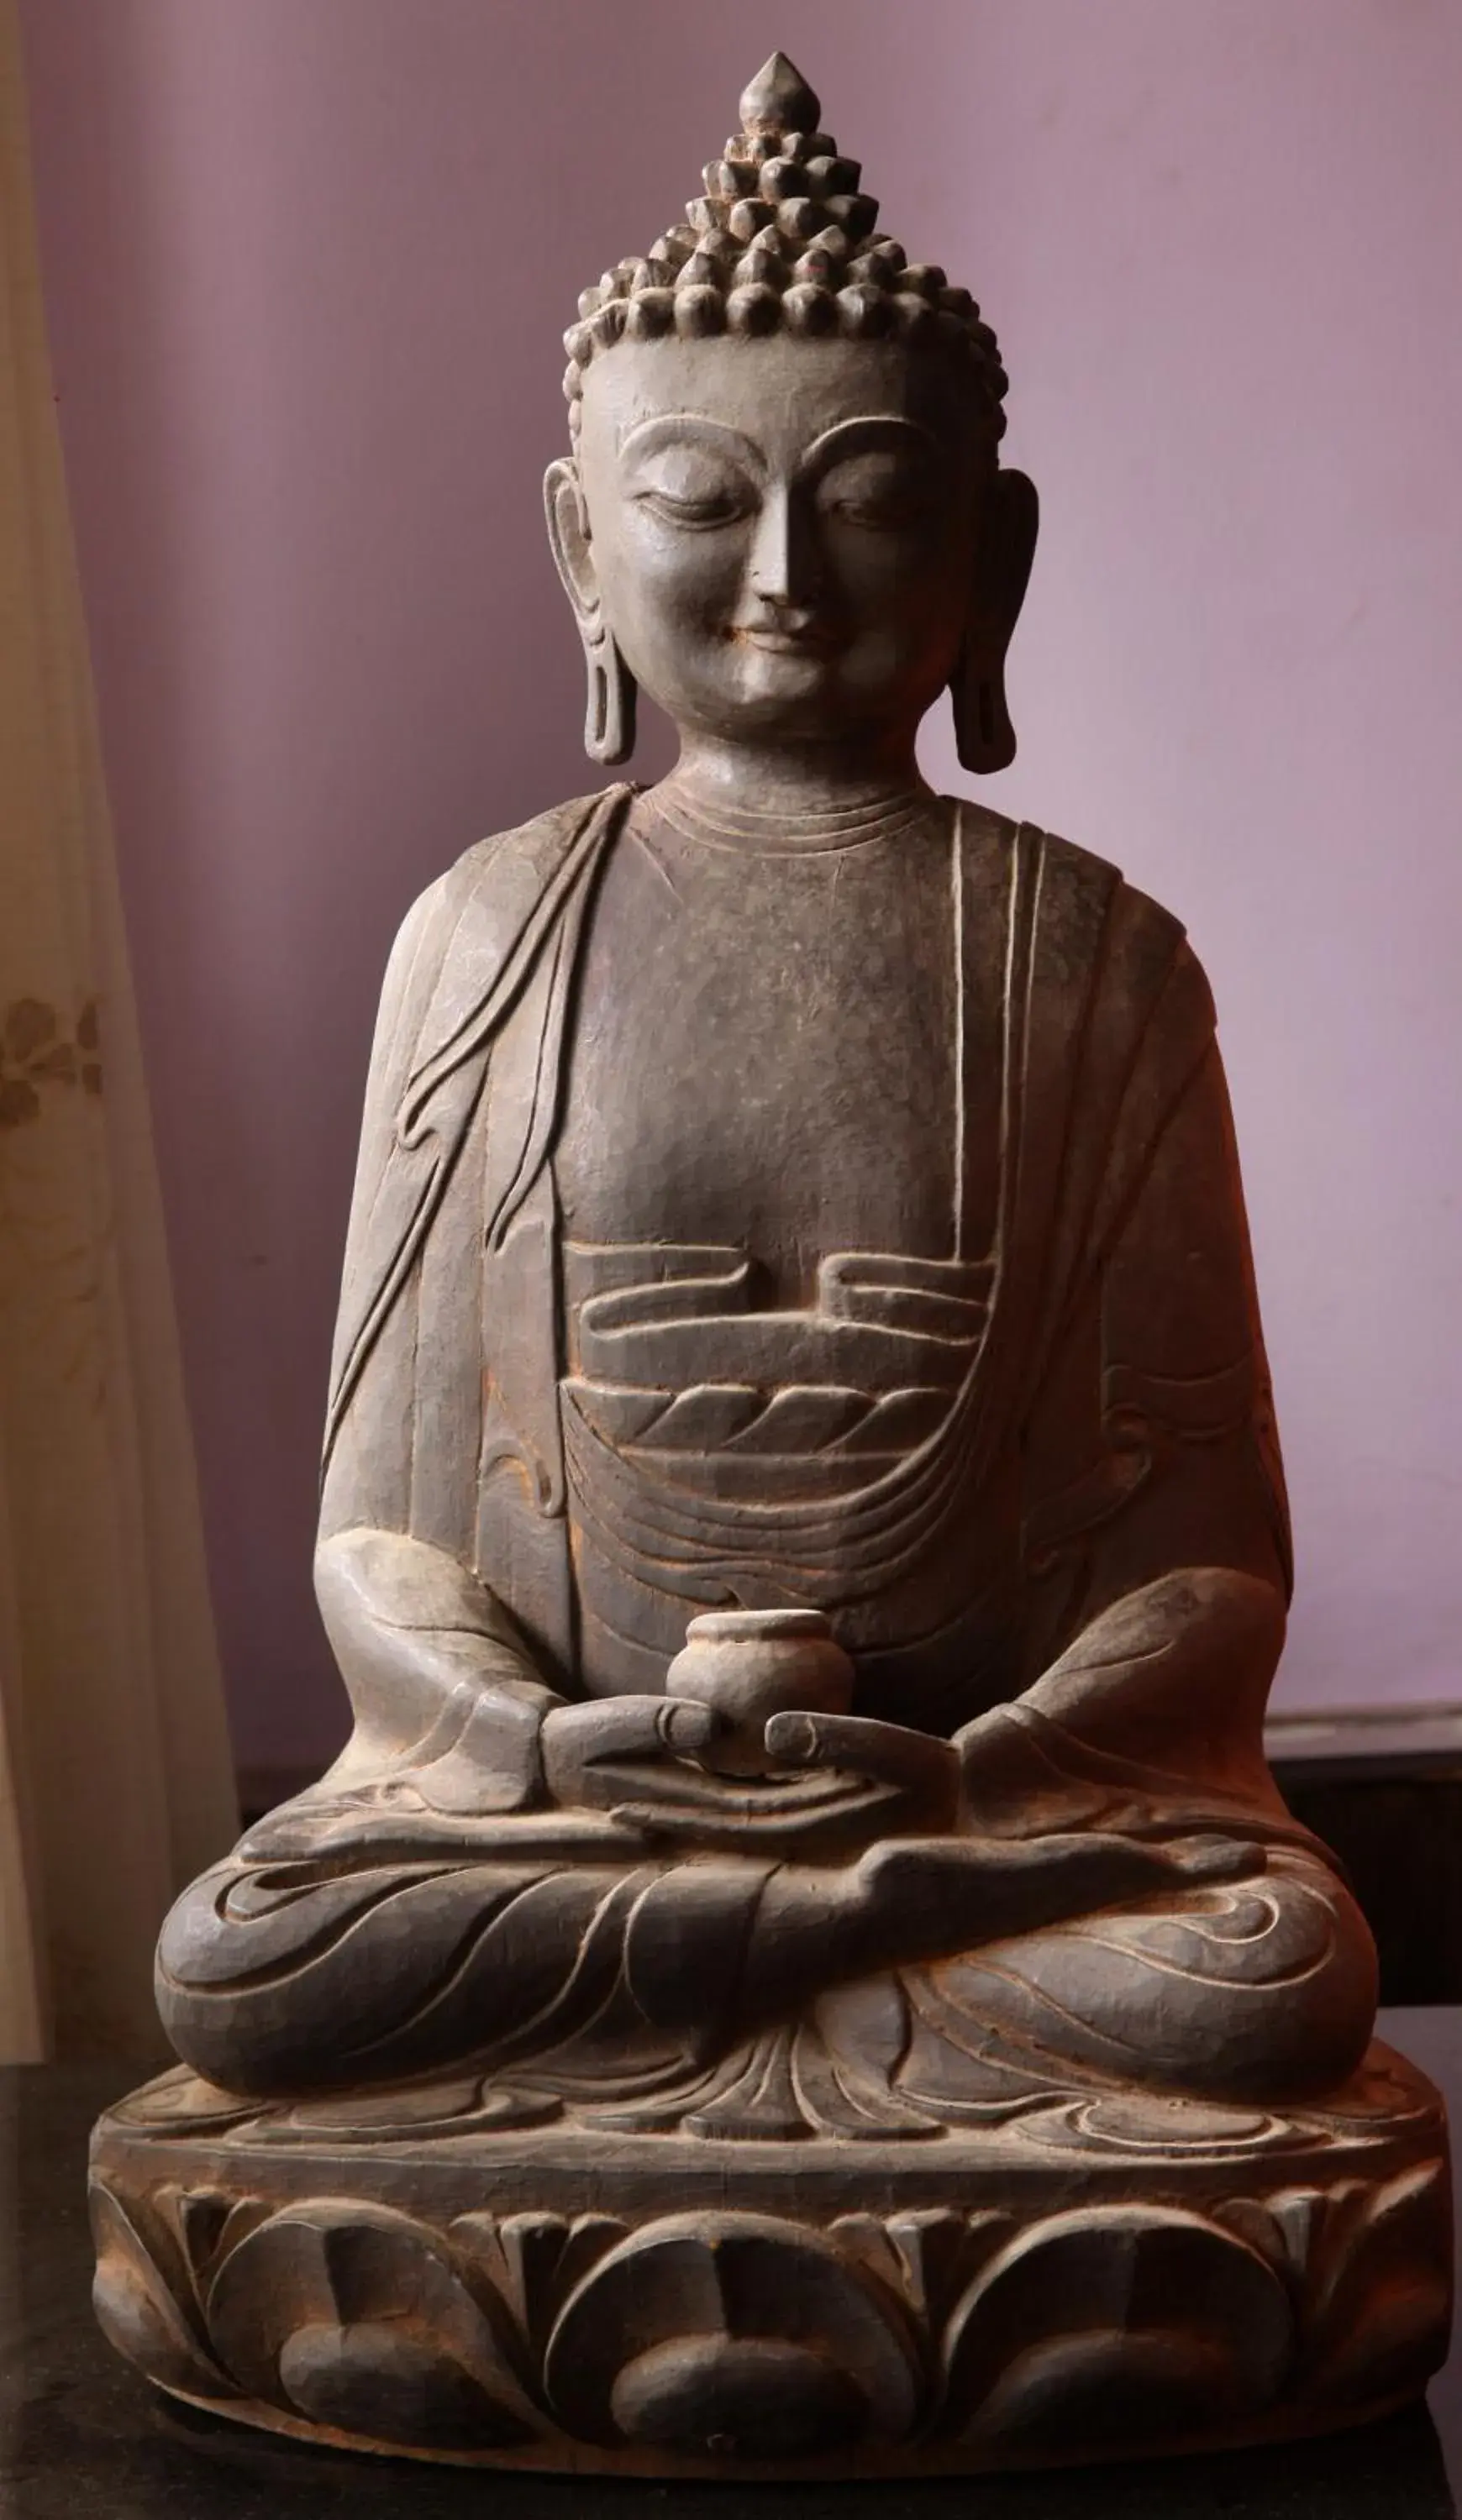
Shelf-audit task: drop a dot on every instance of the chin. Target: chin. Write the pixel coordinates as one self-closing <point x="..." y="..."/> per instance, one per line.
<point x="775" y="677"/>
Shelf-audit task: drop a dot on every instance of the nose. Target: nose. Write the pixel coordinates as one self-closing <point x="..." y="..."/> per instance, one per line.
<point x="783" y="569"/>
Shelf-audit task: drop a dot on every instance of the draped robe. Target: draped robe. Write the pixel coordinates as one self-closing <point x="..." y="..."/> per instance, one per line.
<point x="1078" y="1575"/>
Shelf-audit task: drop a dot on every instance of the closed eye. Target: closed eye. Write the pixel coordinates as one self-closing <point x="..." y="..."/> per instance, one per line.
<point x="889" y="509"/>
<point x="879" y="492"/>
<point x="878" y="516"/>
<point x="694" y="515"/>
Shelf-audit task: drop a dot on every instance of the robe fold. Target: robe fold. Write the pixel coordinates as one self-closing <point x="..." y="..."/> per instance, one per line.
<point x="1103" y="1426"/>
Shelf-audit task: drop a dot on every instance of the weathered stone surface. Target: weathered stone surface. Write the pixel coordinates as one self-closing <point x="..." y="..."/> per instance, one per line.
<point x="898" y="2026"/>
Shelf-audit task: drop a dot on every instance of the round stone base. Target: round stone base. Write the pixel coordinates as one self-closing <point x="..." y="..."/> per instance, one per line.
<point x="1107" y="2275"/>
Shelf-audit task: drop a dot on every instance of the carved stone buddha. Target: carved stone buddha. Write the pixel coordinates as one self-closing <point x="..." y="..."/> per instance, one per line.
<point x="802" y="1963"/>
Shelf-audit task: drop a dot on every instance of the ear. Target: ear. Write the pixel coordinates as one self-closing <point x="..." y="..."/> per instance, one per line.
<point x="1004" y="551"/>
<point x="610" y="720"/>
<point x="570" y="542"/>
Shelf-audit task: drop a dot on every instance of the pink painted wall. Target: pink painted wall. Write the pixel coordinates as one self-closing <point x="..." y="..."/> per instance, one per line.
<point x="307" y="267"/>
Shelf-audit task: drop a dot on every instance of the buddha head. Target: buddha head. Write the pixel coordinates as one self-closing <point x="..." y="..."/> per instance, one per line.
<point x="784" y="516"/>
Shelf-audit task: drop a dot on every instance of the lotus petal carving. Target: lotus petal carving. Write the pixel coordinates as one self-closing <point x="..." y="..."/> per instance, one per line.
<point x="357" y="2318"/>
<point x="1118" y="2323"/>
<point x="1381" y="2283"/>
<point x="731" y="2336"/>
<point x="143" y="2309"/>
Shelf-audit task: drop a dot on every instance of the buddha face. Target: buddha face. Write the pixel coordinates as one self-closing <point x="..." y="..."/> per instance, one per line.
<point x="782" y="535"/>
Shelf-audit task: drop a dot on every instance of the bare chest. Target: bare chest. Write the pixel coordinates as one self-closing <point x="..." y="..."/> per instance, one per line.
<point x="764" y="1055"/>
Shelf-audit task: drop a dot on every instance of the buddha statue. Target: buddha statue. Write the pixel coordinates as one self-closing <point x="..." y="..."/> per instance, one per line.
<point x="802" y="1959"/>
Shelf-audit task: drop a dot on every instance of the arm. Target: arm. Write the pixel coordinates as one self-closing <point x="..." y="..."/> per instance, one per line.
<point x="442" y="1683"/>
<point x="450" y="1692"/>
<point x="1151" y="1443"/>
<point x="440" y="1680"/>
<point x="1157" y="1542"/>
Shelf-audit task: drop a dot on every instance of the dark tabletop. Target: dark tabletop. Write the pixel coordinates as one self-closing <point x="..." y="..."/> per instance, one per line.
<point x="83" y="2437"/>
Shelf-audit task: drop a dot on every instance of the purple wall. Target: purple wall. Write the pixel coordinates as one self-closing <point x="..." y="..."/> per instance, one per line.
<point x="307" y="268"/>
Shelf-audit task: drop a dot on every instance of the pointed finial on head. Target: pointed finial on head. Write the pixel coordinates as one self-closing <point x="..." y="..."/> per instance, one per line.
<point x="778" y="99"/>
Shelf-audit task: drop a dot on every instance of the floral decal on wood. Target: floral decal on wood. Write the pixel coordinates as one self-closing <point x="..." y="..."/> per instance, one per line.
<point x="37" y="1054"/>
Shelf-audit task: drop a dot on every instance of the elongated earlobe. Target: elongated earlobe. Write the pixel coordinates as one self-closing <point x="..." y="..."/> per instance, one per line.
<point x="609" y="725"/>
<point x="983" y="735"/>
<point x="983" y="731"/>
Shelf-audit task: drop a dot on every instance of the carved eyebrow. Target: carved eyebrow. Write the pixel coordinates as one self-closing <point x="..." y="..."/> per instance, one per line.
<point x="675" y="429"/>
<point x="869" y="433"/>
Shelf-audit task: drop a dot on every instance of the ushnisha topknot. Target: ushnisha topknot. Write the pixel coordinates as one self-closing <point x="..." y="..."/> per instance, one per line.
<point x="783" y="240"/>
